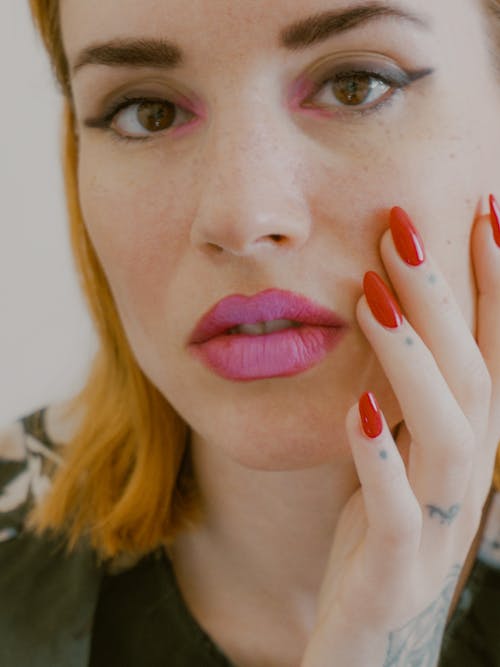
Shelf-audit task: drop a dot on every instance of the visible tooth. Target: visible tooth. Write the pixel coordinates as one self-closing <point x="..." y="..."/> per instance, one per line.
<point x="277" y="325"/>
<point x="263" y="327"/>
<point x="254" y="329"/>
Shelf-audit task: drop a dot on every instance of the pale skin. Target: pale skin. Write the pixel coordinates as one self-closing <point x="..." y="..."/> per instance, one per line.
<point x="260" y="194"/>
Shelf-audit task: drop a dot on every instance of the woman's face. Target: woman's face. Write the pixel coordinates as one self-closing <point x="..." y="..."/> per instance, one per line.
<point x="273" y="171"/>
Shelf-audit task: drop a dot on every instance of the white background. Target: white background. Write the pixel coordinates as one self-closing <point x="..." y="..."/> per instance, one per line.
<point x="46" y="336"/>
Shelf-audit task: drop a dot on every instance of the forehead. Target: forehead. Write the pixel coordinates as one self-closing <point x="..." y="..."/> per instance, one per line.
<point x="238" y="28"/>
<point x="206" y="20"/>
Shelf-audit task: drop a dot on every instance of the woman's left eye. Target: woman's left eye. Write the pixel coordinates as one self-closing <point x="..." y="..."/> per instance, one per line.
<point x="355" y="89"/>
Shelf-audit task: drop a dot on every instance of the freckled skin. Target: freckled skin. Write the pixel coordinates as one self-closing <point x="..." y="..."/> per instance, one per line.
<point x="195" y="215"/>
<point x="160" y="215"/>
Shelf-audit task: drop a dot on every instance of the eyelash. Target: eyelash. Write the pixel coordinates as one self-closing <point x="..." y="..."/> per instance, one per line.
<point x="397" y="83"/>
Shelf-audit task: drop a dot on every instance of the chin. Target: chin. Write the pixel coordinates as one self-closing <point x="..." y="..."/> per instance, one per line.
<point x="284" y="449"/>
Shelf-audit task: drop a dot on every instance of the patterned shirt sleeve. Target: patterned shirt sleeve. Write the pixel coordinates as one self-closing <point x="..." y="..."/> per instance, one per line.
<point x="28" y="460"/>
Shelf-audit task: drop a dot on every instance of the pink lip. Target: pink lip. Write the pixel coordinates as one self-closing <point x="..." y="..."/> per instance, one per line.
<point x="281" y="353"/>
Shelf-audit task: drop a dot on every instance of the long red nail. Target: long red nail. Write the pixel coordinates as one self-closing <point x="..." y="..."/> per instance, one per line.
<point x="382" y="304"/>
<point x="371" y="417"/>
<point x="406" y="238"/>
<point x="495" y="218"/>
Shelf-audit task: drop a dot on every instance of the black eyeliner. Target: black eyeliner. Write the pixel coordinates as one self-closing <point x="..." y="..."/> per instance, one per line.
<point x="394" y="78"/>
<point x="419" y="74"/>
<point x="397" y="79"/>
<point x="116" y="106"/>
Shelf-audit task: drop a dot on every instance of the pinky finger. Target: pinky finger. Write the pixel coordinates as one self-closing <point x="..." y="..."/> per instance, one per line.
<point x="393" y="513"/>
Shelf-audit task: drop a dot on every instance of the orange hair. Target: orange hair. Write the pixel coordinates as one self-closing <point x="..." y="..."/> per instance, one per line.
<point x="127" y="482"/>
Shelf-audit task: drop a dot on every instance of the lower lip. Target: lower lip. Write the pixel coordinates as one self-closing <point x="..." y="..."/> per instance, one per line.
<point x="278" y="354"/>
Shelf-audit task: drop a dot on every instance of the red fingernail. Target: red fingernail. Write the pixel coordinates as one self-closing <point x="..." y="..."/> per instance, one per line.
<point x="495" y="218"/>
<point x="406" y="238"/>
<point x="371" y="417"/>
<point x="382" y="304"/>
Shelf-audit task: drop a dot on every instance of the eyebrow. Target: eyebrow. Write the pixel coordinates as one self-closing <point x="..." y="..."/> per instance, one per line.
<point x="164" y="54"/>
<point x="319" y="27"/>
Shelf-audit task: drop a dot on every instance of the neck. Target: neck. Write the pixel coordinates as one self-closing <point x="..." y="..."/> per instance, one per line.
<point x="266" y="535"/>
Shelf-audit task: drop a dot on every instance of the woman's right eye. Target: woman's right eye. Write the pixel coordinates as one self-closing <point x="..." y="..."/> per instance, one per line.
<point x="130" y="117"/>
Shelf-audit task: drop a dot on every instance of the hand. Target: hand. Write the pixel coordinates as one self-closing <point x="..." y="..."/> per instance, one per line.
<point x="403" y="537"/>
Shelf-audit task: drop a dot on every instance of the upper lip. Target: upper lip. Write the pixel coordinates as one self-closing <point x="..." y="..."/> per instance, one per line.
<point x="272" y="304"/>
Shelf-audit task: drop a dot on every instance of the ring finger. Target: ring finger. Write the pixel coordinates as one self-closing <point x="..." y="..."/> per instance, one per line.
<point x="443" y="441"/>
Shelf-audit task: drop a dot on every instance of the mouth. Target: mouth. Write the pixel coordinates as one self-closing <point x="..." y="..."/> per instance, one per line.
<point x="265" y="313"/>
<point x="262" y="328"/>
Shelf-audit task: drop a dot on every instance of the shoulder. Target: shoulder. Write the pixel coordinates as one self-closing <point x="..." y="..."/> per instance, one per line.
<point x="472" y="636"/>
<point x="48" y="597"/>
<point x="30" y="453"/>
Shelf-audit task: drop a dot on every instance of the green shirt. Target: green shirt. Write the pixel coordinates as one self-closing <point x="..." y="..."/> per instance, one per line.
<point x="59" y="611"/>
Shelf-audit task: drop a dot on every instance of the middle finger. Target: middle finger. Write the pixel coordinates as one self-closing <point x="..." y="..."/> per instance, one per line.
<point x="442" y="438"/>
<point x="434" y="312"/>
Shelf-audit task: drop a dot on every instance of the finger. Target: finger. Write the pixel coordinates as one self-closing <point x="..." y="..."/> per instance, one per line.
<point x="443" y="441"/>
<point x="486" y="262"/>
<point x="393" y="513"/>
<point x="435" y="314"/>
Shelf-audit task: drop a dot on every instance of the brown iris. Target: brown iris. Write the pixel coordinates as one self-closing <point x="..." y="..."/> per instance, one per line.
<point x="155" y="116"/>
<point x="353" y="89"/>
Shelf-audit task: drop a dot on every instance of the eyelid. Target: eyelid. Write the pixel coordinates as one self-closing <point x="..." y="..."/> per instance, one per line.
<point x="361" y="59"/>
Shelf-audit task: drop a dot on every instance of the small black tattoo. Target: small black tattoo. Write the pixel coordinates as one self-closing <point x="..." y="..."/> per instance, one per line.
<point x="409" y="341"/>
<point x="383" y="454"/>
<point x="446" y="516"/>
<point x="432" y="279"/>
<point x="418" y="643"/>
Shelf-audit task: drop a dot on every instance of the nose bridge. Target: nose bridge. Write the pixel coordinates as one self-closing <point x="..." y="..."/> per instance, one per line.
<point x="250" y="187"/>
<point x="245" y="152"/>
<point x="244" y="144"/>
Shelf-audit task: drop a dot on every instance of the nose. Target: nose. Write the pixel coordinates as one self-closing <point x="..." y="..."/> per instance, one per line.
<point x="251" y="200"/>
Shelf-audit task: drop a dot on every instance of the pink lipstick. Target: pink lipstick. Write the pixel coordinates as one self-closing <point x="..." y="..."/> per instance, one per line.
<point x="279" y="349"/>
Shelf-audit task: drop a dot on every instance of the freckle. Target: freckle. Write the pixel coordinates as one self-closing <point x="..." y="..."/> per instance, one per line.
<point x="383" y="454"/>
<point x="453" y="156"/>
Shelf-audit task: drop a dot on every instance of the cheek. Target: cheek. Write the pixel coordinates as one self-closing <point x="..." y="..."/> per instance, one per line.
<point x="138" y="231"/>
<point x="437" y="176"/>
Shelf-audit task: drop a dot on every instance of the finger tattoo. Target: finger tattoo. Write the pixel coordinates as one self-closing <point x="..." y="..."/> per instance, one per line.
<point x="446" y="516"/>
<point x="432" y="279"/>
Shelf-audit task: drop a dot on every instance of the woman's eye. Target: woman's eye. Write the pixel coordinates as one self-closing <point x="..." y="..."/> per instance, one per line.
<point x="146" y="116"/>
<point x="139" y="119"/>
<point x="354" y="89"/>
